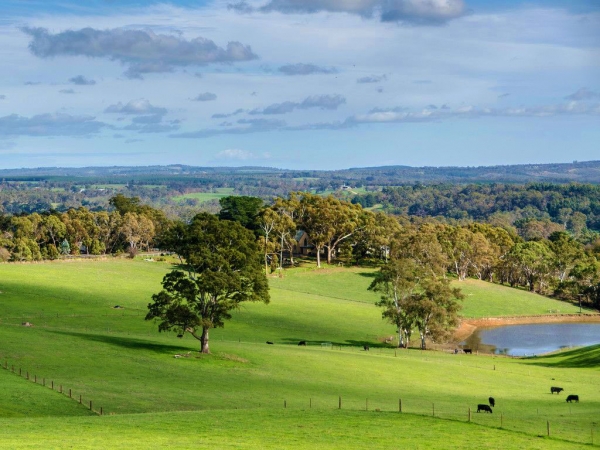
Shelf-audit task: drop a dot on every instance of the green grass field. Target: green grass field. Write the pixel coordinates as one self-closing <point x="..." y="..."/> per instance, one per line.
<point x="205" y="196"/>
<point x="235" y="397"/>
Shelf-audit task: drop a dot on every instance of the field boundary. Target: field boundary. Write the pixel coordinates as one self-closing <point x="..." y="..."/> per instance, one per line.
<point x="59" y="387"/>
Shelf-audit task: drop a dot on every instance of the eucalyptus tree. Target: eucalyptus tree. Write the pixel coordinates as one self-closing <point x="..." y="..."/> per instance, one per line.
<point x="221" y="268"/>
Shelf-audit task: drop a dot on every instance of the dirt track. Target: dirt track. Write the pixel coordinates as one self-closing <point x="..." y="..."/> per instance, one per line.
<point x="468" y="326"/>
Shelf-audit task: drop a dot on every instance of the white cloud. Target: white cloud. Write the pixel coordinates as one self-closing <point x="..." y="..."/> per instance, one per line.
<point x="235" y="153"/>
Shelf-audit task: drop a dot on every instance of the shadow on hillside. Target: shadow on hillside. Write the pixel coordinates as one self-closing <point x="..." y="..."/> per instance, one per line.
<point x="130" y="343"/>
<point x="586" y="357"/>
<point x="350" y="343"/>
<point x="367" y="274"/>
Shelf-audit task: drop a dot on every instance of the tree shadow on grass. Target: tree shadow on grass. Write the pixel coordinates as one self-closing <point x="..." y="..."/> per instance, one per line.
<point x="129" y="343"/>
<point x="367" y="274"/>
<point x="348" y="343"/>
<point x="586" y="357"/>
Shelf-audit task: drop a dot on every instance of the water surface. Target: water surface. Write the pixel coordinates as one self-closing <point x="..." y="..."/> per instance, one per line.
<point x="533" y="339"/>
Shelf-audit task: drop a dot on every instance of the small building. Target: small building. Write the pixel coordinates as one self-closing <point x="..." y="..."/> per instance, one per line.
<point x="303" y="245"/>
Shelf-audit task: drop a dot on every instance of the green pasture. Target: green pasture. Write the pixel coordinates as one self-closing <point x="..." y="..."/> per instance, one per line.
<point x="266" y="429"/>
<point x="80" y="341"/>
<point x="205" y="196"/>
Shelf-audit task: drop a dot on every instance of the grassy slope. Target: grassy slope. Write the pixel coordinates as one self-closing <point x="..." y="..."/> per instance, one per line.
<point x="265" y="429"/>
<point x="122" y="363"/>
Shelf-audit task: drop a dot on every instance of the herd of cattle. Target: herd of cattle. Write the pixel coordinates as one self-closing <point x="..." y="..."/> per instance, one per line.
<point x="492" y="402"/>
<point x="485" y="408"/>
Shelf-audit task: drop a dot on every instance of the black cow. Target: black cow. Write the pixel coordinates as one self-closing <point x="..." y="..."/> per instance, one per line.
<point x="467" y="350"/>
<point x="302" y="343"/>
<point x="572" y="397"/>
<point x="485" y="408"/>
<point x="554" y="389"/>
<point x="366" y="348"/>
<point x="269" y="342"/>
<point x="492" y="402"/>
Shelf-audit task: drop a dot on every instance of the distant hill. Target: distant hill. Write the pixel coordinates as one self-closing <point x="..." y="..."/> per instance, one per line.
<point x="582" y="172"/>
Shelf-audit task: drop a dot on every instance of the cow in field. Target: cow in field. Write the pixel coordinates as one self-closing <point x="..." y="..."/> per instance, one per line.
<point x="554" y="389"/>
<point x="572" y="398"/>
<point x="269" y="342"/>
<point x="492" y="402"/>
<point x="302" y="343"/>
<point x="467" y="350"/>
<point x="366" y="348"/>
<point x="484" y="408"/>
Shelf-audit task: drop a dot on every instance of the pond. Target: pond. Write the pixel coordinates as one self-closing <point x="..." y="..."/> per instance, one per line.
<point x="532" y="339"/>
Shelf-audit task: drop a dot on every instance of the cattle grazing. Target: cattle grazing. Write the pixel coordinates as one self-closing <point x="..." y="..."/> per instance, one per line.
<point x="366" y="348"/>
<point x="269" y="342"/>
<point x="572" y="397"/>
<point x="554" y="389"/>
<point x="485" y="408"/>
<point x="467" y="350"/>
<point x="492" y="402"/>
<point x="303" y="343"/>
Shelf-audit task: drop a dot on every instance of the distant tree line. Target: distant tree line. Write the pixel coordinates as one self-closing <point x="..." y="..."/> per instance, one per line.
<point x="552" y="262"/>
<point x="129" y="226"/>
<point x="534" y="210"/>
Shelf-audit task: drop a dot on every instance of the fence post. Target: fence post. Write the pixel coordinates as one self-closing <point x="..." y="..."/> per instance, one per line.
<point x="340" y="403"/>
<point x="52" y="382"/>
<point x="90" y="405"/>
<point x="310" y="403"/>
<point x="399" y="405"/>
<point x="548" y="427"/>
<point x="70" y="393"/>
<point x="367" y="404"/>
<point x="60" y="389"/>
<point x="469" y="414"/>
<point x="101" y="412"/>
<point x="35" y="378"/>
<point x="433" y="409"/>
<point x="501" y="420"/>
<point x="80" y="399"/>
<point x="19" y="371"/>
<point x="284" y="404"/>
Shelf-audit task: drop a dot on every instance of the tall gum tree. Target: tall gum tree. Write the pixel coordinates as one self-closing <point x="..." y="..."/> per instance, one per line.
<point x="221" y="268"/>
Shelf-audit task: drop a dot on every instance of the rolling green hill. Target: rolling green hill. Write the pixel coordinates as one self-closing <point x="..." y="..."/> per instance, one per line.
<point x="118" y="360"/>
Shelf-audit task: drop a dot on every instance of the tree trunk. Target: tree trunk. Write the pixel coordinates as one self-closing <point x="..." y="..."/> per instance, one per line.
<point x="204" y="341"/>
<point x="423" y="346"/>
<point x="400" y="337"/>
<point x="318" y="257"/>
<point x="329" y="255"/>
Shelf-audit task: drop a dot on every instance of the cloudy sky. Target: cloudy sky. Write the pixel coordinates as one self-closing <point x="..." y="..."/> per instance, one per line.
<point x="319" y="84"/>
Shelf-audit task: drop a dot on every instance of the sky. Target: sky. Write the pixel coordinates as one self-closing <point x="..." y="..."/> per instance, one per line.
<point x="299" y="84"/>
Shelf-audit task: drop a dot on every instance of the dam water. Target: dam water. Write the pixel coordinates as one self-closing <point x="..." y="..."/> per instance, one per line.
<point x="532" y="339"/>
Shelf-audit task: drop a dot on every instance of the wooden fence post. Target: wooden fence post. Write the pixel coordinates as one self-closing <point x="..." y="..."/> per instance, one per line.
<point x="101" y="412"/>
<point x="469" y="414"/>
<point x="52" y="382"/>
<point x="340" y="403"/>
<point x="501" y="420"/>
<point x="80" y="399"/>
<point x="367" y="404"/>
<point x="433" y="409"/>
<point x="310" y="403"/>
<point x="548" y="427"/>
<point x="399" y="405"/>
<point x="90" y="405"/>
<point x="284" y="404"/>
<point x="70" y="393"/>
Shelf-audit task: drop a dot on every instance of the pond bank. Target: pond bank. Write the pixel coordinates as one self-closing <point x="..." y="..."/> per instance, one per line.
<point x="468" y="326"/>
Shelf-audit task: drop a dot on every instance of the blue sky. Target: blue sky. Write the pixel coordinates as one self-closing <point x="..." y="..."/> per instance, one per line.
<point x="320" y="84"/>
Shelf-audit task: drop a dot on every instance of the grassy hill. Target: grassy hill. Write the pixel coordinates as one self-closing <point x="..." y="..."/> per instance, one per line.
<point x="80" y="341"/>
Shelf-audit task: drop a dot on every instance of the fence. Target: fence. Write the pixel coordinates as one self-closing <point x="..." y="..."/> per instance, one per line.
<point x="58" y="388"/>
